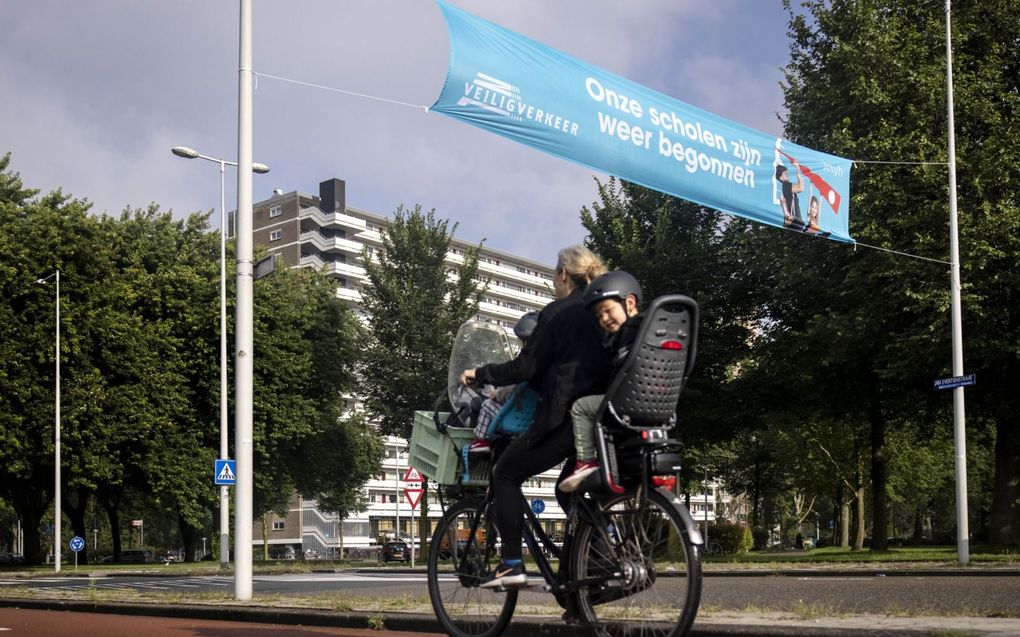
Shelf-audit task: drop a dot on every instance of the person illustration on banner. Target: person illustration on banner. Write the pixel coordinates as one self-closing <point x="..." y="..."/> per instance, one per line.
<point x="791" y="205"/>
<point x="814" y="212"/>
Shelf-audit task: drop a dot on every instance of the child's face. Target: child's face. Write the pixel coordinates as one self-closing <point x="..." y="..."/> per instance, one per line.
<point x="610" y="314"/>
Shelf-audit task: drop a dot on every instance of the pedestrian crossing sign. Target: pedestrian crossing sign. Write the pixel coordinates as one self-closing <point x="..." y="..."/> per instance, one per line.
<point x="224" y="472"/>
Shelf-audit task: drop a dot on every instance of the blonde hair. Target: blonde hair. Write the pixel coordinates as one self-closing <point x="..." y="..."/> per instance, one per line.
<point x="581" y="264"/>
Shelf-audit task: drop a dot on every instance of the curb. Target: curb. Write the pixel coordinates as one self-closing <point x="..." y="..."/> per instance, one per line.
<point x="805" y="572"/>
<point x="520" y="627"/>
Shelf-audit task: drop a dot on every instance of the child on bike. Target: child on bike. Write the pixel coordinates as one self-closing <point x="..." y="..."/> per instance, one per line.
<point x="613" y="298"/>
<point x="492" y="405"/>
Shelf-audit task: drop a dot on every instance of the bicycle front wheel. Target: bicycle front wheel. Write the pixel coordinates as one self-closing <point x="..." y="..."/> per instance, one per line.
<point x="642" y="574"/>
<point x="462" y="554"/>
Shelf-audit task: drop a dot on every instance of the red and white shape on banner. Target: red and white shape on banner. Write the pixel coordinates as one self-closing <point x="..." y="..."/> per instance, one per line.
<point x="412" y="487"/>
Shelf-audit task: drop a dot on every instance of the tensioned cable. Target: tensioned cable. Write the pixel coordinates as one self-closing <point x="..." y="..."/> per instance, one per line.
<point x="905" y="254"/>
<point x="426" y="109"/>
<point x="910" y="163"/>
<point x="340" y="90"/>
<point x="856" y="243"/>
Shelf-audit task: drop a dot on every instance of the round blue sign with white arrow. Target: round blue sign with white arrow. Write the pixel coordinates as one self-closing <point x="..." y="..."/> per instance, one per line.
<point x="76" y="544"/>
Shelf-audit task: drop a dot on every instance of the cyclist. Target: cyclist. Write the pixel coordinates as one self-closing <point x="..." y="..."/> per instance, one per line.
<point x="563" y="360"/>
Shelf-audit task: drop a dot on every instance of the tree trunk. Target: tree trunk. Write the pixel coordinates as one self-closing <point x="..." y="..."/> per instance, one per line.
<point x="879" y="476"/>
<point x="188" y="536"/>
<point x="859" y="519"/>
<point x="111" y="515"/>
<point x="30" y="504"/>
<point x="265" y="538"/>
<point x="76" y="514"/>
<point x="918" y="527"/>
<point x="1005" y="519"/>
<point x="844" y="525"/>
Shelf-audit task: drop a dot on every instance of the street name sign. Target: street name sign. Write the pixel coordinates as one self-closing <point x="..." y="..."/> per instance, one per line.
<point x="954" y="382"/>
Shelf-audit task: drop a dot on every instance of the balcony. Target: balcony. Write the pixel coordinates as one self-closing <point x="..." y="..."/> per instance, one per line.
<point x="333" y="268"/>
<point x="333" y="219"/>
<point x="330" y="244"/>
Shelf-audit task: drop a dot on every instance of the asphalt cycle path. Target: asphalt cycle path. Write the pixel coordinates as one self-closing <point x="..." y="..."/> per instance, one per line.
<point x="975" y="593"/>
<point x="18" y="622"/>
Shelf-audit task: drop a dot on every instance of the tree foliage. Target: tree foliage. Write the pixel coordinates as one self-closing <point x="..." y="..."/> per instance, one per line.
<point x="139" y="333"/>
<point x="415" y="304"/>
<point x="897" y="307"/>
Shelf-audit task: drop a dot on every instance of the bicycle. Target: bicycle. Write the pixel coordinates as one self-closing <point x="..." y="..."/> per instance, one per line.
<point x="630" y="559"/>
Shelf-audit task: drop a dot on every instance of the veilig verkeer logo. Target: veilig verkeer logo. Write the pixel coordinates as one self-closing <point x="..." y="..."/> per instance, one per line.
<point x="503" y="98"/>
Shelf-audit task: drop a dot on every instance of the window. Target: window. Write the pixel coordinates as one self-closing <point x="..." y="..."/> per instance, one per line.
<point x="276" y="235"/>
<point x="278" y="525"/>
<point x="275" y="211"/>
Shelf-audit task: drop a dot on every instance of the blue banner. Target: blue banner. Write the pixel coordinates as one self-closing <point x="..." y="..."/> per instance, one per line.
<point x="523" y="90"/>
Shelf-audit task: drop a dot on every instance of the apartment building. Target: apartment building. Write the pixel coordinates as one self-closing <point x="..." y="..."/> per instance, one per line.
<point x="323" y="232"/>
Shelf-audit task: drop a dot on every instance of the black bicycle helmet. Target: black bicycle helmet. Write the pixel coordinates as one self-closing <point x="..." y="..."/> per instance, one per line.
<point x="612" y="285"/>
<point x="526" y="325"/>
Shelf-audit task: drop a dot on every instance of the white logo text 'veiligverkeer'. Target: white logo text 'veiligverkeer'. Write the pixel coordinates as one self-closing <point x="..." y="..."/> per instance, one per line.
<point x="503" y="98"/>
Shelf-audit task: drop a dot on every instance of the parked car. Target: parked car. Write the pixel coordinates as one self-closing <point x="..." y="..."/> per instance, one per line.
<point x="395" y="551"/>
<point x="8" y="559"/>
<point x="282" y="552"/>
<point x="136" y="556"/>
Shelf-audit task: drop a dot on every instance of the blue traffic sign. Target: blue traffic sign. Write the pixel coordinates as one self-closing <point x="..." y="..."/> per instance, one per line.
<point x="955" y="381"/>
<point x="225" y="472"/>
<point x="76" y="544"/>
<point x="538" y="506"/>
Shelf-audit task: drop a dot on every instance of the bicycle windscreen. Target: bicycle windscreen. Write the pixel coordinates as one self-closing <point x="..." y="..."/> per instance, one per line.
<point x="476" y="344"/>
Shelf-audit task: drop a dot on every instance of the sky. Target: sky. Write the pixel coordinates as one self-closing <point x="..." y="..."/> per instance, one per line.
<point x="94" y="94"/>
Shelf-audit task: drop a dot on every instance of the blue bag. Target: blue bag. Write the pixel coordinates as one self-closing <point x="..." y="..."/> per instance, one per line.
<point x="513" y="418"/>
<point x="517" y="412"/>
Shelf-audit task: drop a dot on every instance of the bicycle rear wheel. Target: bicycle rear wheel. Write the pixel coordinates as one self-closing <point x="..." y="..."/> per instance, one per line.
<point x="458" y="562"/>
<point x="643" y="571"/>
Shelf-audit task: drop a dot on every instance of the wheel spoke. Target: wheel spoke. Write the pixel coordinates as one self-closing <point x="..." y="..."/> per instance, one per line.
<point x="649" y="571"/>
<point x="463" y="552"/>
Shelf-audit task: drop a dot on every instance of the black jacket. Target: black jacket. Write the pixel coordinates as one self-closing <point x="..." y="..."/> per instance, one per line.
<point x="563" y="360"/>
<point x="618" y="345"/>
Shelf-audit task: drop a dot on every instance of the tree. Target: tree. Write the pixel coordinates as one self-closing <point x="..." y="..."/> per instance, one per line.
<point x="306" y="354"/>
<point x="415" y="305"/>
<point x="899" y="115"/>
<point x="39" y="235"/>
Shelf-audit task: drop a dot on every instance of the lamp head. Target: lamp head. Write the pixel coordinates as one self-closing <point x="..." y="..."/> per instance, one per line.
<point x="259" y="168"/>
<point x="184" y="151"/>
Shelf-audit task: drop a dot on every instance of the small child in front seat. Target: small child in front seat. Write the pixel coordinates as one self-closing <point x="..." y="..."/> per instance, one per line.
<point x="492" y="405"/>
<point x="614" y="299"/>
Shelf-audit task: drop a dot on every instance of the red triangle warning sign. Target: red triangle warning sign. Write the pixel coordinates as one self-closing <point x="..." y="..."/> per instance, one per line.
<point x="412" y="475"/>
<point x="413" y="497"/>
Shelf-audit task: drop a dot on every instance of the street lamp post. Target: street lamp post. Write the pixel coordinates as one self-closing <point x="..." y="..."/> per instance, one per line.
<point x="56" y="433"/>
<point x="190" y="153"/>
<point x="706" y="506"/>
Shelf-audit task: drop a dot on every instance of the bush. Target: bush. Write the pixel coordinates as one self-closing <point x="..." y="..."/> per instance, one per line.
<point x="731" y="538"/>
<point x="761" y="538"/>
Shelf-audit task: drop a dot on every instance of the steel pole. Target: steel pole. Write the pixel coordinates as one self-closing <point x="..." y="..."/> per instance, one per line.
<point x="959" y="414"/>
<point x="243" y="330"/>
<point x="57" y="514"/>
<point x="224" y="451"/>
